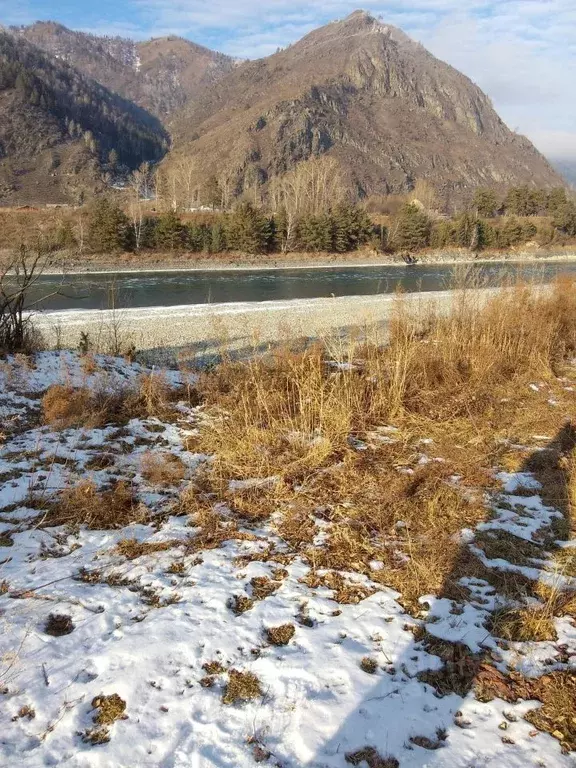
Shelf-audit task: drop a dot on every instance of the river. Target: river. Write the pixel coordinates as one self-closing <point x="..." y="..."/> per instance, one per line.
<point x="176" y="288"/>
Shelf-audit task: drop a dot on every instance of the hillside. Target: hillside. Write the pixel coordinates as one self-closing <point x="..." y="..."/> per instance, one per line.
<point x="57" y="128"/>
<point x="371" y="97"/>
<point x="160" y="75"/>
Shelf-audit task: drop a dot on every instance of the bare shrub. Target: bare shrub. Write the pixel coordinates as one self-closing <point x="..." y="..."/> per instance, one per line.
<point x="19" y="275"/>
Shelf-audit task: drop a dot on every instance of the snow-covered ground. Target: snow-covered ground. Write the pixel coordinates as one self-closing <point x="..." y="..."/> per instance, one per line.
<point x="159" y="629"/>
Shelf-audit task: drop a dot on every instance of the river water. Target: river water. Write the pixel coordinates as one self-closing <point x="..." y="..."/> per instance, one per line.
<point x="175" y="288"/>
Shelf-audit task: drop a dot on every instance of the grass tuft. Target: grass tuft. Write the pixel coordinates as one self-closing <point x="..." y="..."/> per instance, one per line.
<point x="241" y="686"/>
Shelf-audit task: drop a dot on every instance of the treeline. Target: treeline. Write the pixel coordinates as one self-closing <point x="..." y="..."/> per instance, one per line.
<point x="247" y="229"/>
<point x="106" y="227"/>
<point x="520" y="201"/>
<point x="84" y="109"/>
<point x="414" y="229"/>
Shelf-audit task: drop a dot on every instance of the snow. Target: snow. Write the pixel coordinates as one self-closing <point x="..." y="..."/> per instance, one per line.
<point x="317" y="703"/>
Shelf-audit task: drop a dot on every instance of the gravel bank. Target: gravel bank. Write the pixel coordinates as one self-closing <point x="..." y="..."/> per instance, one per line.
<point x="202" y="331"/>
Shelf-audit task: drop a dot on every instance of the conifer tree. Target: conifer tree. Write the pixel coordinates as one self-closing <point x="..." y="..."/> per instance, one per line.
<point x="248" y="230"/>
<point x="413" y="228"/>
<point x="485" y="202"/>
<point x="170" y="232"/>
<point x="108" y="228"/>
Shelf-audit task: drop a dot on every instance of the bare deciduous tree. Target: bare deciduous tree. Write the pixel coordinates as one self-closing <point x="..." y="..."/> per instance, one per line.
<point x="19" y="275"/>
<point x="311" y="188"/>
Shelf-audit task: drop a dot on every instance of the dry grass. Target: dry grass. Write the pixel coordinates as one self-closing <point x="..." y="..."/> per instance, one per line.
<point x="85" y="505"/>
<point x="524" y="624"/>
<point x="162" y="469"/>
<point x="372" y="758"/>
<point x="132" y="548"/>
<point x="241" y="686"/>
<point x="64" y="406"/>
<point x="109" y="709"/>
<point x="280" y="635"/>
<point x="58" y="624"/>
<point x="459" y="377"/>
<point x="369" y="665"/>
<point x="239" y="604"/>
<point x="557" y="692"/>
<point x="263" y="587"/>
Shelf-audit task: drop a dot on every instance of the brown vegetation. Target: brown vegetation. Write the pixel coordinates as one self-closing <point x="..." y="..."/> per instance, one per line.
<point x="241" y="686"/>
<point x="65" y="406"/>
<point x="162" y="468"/>
<point x="84" y="504"/>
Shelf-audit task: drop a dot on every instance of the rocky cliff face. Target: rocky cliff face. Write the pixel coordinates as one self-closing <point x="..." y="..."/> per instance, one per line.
<point x="160" y="75"/>
<point x="369" y="95"/>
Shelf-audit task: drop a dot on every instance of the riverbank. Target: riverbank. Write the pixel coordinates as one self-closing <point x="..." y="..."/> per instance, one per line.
<point x="202" y="332"/>
<point x="154" y="262"/>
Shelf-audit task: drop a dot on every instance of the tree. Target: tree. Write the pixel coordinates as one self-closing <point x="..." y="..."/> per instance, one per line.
<point x="108" y="228"/>
<point x="65" y="235"/>
<point x="352" y="228"/>
<point x="557" y="199"/>
<point x="212" y="194"/>
<point x="112" y="159"/>
<point x="486" y="203"/>
<point x="316" y="233"/>
<point x="311" y="188"/>
<point x="248" y="230"/>
<point x="565" y="219"/>
<point x="525" y="201"/>
<point x="412" y="228"/>
<point x="170" y="232"/>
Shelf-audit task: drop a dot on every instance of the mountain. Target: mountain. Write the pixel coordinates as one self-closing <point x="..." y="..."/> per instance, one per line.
<point x="367" y="94"/>
<point x="160" y="75"/>
<point x="567" y="168"/>
<point x="58" y="128"/>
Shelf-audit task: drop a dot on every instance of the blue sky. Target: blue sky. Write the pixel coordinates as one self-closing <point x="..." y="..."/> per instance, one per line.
<point x="521" y="52"/>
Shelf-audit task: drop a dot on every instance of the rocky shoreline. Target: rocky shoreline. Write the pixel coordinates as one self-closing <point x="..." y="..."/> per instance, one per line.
<point x="191" y="262"/>
<point x="201" y="332"/>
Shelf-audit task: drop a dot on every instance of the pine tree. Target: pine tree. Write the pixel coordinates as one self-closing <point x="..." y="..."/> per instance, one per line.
<point x="556" y="200"/>
<point x="565" y="219"/>
<point x="170" y="232"/>
<point x="486" y="203"/>
<point x="248" y="230"/>
<point x="109" y="229"/>
<point x="212" y="194"/>
<point x="218" y="238"/>
<point x="316" y="233"/>
<point x="413" y="228"/>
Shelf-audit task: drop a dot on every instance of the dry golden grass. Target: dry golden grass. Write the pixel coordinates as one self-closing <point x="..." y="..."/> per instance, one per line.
<point x="280" y="635"/>
<point x="162" y="468"/>
<point x="241" y="686"/>
<point x="132" y="548"/>
<point x="64" y="406"/>
<point x="458" y="376"/>
<point x="85" y="505"/>
<point x="524" y="624"/>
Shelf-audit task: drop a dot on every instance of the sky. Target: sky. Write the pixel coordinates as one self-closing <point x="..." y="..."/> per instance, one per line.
<point x="522" y="53"/>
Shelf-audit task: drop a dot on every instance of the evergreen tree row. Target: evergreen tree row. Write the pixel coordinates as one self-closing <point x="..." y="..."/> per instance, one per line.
<point x="413" y="230"/>
<point x="246" y="229"/>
